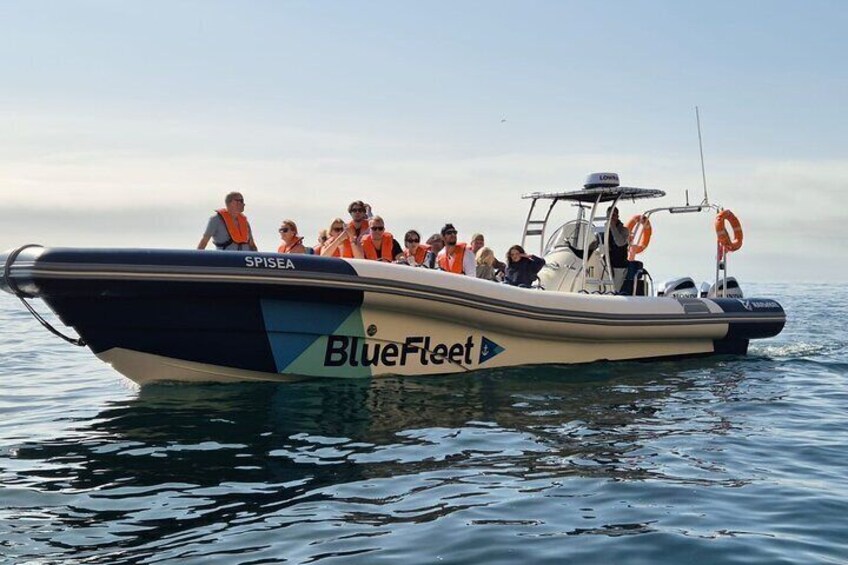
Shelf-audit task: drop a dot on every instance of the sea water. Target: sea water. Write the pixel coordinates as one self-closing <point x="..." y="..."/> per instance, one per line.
<point x="719" y="460"/>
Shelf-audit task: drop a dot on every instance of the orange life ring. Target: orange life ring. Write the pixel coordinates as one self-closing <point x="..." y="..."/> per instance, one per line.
<point x="721" y="230"/>
<point x="637" y="246"/>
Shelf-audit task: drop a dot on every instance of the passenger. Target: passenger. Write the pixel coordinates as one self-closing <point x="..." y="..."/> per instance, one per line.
<point x="415" y="253"/>
<point x="521" y="268"/>
<point x="292" y="243"/>
<point x="486" y="265"/>
<point x="478" y="241"/>
<point x="360" y="212"/>
<point x="436" y="243"/>
<point x="618" y="244"/>
<point x="228" y="228"/>
<point x="380" y="245"/>
<point x="323" y="236"/>
<point x="342" y="236"/>
<point x="454" y="258"/>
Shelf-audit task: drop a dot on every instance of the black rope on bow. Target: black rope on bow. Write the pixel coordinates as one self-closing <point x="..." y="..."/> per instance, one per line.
<point x="7" y="269"/>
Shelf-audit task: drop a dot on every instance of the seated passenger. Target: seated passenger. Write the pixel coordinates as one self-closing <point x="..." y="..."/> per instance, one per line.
<point x="379" y="245"/>
<point x="342" y="241"/>
<point x="478" y="242"/>
<point x="436" y="243"/>
<point x="360" y="213"/>
<point x="323" y="236"/>
<point x="486" y="269"/>
<point x="292" y="243"/>
<point x="415" y="252"/>
<point x="521" y="268"/>
<point x="455" y="258"/>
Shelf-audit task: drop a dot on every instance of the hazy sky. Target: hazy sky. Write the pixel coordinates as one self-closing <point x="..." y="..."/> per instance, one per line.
<point x="125" y="123"/>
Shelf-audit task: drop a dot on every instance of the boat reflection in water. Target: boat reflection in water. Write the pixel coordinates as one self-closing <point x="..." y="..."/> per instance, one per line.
<point x="374" y="454"/>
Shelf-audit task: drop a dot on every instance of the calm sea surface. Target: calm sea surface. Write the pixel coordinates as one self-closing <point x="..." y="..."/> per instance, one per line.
<point x="726" y="460"/>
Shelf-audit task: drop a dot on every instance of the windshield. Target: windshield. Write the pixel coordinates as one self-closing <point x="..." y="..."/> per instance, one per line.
<point x="569" y="234"/>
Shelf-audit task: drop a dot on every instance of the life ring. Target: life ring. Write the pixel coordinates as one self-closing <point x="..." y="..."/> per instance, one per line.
<point x="721" y="230"/>
<point x="637" y="246"/>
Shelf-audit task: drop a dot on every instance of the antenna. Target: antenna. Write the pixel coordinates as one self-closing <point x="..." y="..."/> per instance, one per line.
<point x="701" y="147"/>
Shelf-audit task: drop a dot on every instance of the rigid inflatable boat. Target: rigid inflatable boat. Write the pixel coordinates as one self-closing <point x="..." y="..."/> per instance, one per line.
<point x="240" y="316"/>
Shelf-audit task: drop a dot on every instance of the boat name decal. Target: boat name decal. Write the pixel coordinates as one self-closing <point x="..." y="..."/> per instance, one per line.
<point x="752" y="305"/>
<point x="355" y="352"/>
<point x="268" y="262"/>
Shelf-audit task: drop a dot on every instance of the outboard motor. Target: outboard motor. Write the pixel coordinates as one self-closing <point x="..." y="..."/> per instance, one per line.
<point x="733" y="289"/>
<point x="704" y="290"/>
<point x="683" y="287"/>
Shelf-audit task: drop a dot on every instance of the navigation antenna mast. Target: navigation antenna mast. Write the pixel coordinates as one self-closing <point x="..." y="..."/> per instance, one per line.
<point x="706" y="201"/>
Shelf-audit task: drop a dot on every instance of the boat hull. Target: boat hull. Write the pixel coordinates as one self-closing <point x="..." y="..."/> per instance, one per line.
<point x="220" y="316"/>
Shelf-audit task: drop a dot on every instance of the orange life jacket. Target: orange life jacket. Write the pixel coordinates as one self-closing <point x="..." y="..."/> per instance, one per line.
<point x="370" y="249"/>
<point x="239" y="234"/>
<point x="420" y="253"/>
<point x="346" y="249"/>
<point x="288" y="248"/>
<point x="453" y="263"/>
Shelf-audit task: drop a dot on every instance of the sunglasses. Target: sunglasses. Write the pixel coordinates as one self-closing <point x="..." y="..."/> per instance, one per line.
<point x="239" y="200"/>
<point x="337" y="229"/>
<point x="413" y="240"/>
<point x="284" y="230"/>
<point x="450" y="232"/>
<point x="352" y="210"/>
<point x="378" y="228"/>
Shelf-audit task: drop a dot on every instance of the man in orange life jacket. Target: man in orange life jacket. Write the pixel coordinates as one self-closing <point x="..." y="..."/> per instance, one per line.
<point x="359" y="212"/>
<point x="380" y="245"/>
<point x="228" y="228"/>
<point x="456" y="257"/>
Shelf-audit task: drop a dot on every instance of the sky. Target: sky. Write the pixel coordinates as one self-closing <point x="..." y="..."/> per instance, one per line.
<point x="124" y="124"/>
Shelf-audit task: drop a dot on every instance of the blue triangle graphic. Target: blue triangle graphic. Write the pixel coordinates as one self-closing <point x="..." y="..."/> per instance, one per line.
<point x="293" y="326"/>
<point x="489" y="349"/>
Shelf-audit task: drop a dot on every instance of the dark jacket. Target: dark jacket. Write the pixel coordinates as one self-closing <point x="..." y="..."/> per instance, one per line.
<point x="524" y="272"/>
<point x="618" y="253"/>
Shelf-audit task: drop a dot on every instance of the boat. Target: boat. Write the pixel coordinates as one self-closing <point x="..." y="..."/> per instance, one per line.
<point x="210" y="316"/>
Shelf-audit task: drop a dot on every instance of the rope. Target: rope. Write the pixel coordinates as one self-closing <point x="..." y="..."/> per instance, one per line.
<point x="7" y="270"/>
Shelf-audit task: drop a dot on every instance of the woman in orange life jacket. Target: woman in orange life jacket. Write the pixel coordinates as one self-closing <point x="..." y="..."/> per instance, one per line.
<point x="415" y="252"/>
<point x="228" y="228"/>
<point x="323" y="236"/>
<point x="380" y="245"/>
<point x="341" y="236"/>
<point x="454" y="258"/>
<point x="292" y="243"/>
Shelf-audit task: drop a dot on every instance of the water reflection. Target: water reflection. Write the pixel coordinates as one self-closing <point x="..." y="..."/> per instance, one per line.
<point x="175" y="465"/>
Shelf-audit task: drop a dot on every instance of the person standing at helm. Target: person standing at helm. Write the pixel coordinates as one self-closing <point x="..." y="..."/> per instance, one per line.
<point x="228" y="228"/>
<point x="455" y="258"/>
<point x="380" y="245"/>
<point x="619" y="241"/>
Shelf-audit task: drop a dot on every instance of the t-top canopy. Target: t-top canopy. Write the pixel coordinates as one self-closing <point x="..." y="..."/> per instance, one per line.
<point x="606" y="193"/>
